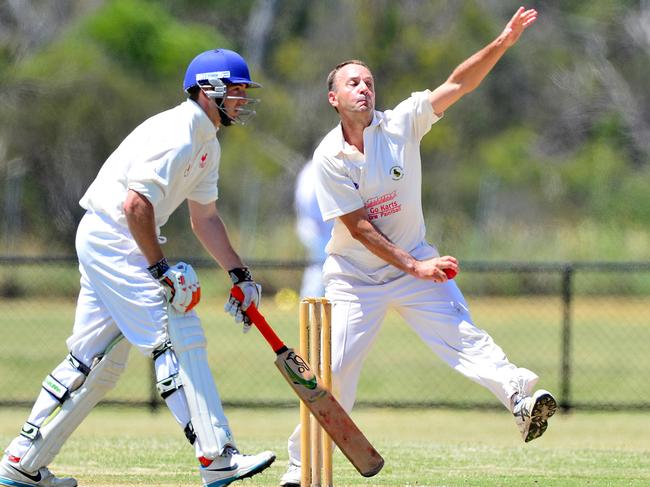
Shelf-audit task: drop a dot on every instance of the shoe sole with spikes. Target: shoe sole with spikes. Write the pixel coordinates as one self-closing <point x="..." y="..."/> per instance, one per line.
<point x="544" y="407"/>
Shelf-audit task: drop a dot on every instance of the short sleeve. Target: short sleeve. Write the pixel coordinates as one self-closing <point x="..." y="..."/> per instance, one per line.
<point x="424" y="116"/>
<point x="336" y="191"/>
<point x="151" y="176"/>
<point x="207" y="190"/>
<point x="416" y="113"/>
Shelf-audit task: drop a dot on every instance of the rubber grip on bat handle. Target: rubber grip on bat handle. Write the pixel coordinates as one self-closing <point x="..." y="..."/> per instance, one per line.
<point x="260" y="322"/>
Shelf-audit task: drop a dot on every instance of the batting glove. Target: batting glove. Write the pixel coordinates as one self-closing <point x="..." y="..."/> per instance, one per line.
<point x="242" y="278"/>
<point x="180" y="282"/>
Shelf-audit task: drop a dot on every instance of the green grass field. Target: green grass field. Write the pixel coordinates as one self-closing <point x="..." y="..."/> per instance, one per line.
<point x="433" y="447"/>
<point x="117" y="447"/>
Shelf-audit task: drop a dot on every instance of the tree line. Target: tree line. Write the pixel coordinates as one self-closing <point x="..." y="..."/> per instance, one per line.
<point x="556" y="139"/>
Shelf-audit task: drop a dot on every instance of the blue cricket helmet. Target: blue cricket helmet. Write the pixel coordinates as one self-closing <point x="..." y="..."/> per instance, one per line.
<point x="224" y="64"/>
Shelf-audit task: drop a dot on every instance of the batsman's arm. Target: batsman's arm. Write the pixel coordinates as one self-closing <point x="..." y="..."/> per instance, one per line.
<point x="362" y="230"/>
<point x="211" y="232"/>
<point x="179" y="282"/>
<point x="140" y="218"/>
<point x="469" y="74"/>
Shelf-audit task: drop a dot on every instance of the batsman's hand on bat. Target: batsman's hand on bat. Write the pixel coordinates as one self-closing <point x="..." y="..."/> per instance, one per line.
<point x="437" y="269"/>
<point x="242" y="278"/>
<point x="180" y="282"/>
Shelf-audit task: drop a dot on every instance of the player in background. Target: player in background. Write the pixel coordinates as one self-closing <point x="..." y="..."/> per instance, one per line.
<point x="312" y="230"/>
<point x="129" y="291"/>
<point x="368" y="182"/>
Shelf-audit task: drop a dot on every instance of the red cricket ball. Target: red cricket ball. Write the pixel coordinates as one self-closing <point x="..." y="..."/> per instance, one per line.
<point x="450" y="273"/>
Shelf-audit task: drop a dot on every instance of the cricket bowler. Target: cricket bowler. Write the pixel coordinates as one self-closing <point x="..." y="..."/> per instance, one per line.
<point x="369" y="183"/>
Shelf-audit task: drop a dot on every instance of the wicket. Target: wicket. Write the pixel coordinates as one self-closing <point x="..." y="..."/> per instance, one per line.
<point x="315" y="347"/>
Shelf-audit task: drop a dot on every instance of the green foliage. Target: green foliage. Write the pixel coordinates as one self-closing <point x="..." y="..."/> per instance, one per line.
<point x="632" y="206"/>
<point x="509" y="157"/>
<point x="129" y="54"/>
<point x="61" y="63"/>
<point x="143" y="37"/>
<point x="372" y="17"/>
<point x="544" y="139"/>
<point x="593" y="176"/>
<point x="474" y="26"/>
<point x="592" y="12"/>
<point x="5" y="61"/>
<point x="593" y="180"/>
<point x="288" y="62"/>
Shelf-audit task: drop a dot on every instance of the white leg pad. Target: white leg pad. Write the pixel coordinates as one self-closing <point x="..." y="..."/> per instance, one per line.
<point x="102" y="378"/>
<point x="208" y="419"/>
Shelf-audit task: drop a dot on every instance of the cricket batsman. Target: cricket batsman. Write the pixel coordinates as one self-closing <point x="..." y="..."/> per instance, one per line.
<point x="368" y="181"/>
<point x="131" y="296"/>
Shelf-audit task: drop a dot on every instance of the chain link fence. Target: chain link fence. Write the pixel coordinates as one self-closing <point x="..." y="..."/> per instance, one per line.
<point x="583" y="327"/>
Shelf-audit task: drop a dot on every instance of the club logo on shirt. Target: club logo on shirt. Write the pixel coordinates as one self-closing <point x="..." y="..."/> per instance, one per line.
<point x="203" y="160"/>
<point x="396" y="172"/>
<point x="202" y="163"/>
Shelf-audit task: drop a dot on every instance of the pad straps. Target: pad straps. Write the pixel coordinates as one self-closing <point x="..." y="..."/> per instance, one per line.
<point x="78" y="364"/>
<point x="29" y="431"/>
<point x="56" y="389"/>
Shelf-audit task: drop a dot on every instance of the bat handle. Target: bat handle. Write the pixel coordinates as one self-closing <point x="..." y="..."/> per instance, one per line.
<point x="260" y="322"/>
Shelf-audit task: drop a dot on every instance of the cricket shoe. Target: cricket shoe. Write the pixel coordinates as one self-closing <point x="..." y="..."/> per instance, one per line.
<point x="292" y="476"/>
<point x="232" y="465"/>
<point x="12" y="475"/>
<point x="532" y="412"/>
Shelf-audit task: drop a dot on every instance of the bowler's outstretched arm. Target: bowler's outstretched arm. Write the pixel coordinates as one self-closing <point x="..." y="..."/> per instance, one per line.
<point x="469" y="74"/>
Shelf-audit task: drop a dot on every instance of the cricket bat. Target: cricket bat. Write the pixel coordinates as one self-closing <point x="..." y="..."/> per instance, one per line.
<point x="322" y="404"/>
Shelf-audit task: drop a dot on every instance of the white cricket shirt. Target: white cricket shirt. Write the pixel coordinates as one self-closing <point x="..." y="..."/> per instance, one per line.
<point x="386" y="180"/>
<point x="170" y="157"/>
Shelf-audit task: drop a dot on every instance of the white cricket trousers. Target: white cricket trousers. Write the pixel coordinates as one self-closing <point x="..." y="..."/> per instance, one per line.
<point x="438" y="314"/>
<point x="117" y="293"/>
<point x="117" y="296"/>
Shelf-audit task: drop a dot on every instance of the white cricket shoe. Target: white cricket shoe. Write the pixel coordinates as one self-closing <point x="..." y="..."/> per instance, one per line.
<point x="532" y="412"/>
<point x="292" y="476"/>
<point x="232" y="465"/>
<point x="12" y="475"/>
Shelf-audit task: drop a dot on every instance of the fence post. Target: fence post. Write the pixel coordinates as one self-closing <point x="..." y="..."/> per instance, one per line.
<point x="565" y="379"/>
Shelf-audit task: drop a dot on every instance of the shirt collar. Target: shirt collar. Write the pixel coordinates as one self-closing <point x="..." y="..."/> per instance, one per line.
<point x="347" y="149"/>
<point x="205" y="129"/>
